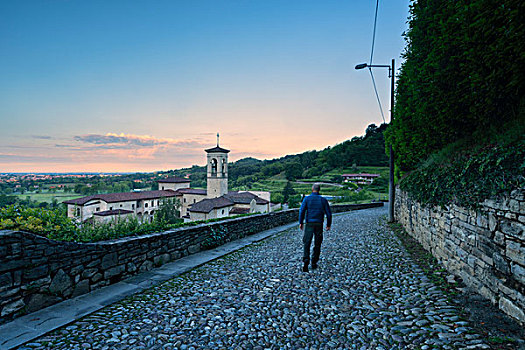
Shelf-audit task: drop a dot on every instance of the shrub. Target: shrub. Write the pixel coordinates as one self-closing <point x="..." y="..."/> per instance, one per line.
<point x="37" y="220"/>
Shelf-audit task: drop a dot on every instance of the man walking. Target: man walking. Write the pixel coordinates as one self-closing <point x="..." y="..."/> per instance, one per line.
<point x="314" y="207"/>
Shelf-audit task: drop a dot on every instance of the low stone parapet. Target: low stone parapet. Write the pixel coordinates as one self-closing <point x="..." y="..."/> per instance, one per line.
<point x="36" y="272"/>
<point x="484" y="247"/>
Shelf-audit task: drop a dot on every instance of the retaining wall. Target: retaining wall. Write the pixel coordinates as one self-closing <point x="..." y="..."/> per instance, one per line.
<point x="36" y="272"/>
<point x="485" y="247"/>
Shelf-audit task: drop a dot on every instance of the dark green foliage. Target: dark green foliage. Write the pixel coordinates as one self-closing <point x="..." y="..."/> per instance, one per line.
<point x="215" y="238"/>
<point x="288" y="191"/>
<point x="7" y="200"/>
<point x="464" y="74"/>
<point x="379" y="185"/>
<point x="294" y="201"/>
<point x="469" y="176"/>
<point x="92" y="232"/>
<point x="354" y="197"/>
<point x="168" y="212"/>
<point x="293" y="170"/>
<point x="276" y="197"/>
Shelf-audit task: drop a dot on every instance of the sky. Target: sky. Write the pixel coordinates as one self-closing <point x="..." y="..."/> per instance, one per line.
<point x="124" y="86"/>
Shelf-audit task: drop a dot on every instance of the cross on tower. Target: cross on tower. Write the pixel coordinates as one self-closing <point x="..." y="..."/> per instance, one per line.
<point x="217" y="139"/>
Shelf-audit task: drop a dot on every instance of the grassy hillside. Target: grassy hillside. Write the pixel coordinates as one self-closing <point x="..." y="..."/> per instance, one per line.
<point x="360" y="154"/>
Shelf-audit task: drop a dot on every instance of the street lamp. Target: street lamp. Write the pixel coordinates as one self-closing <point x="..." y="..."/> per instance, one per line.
<point x="391" y="190"/>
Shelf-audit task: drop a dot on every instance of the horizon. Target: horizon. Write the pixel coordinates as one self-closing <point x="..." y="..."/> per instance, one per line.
<point x="153" y="171"/>
<point x="126" y="87"/>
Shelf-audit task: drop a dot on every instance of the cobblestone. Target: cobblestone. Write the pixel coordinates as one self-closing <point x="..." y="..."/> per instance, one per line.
<point x="366" y="294"/>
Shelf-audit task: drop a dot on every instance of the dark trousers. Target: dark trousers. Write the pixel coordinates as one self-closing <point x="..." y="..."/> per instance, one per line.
<point x="311" y="231"/>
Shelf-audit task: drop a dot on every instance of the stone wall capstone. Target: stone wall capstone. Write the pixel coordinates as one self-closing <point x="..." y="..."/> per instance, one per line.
<point x="484" y="247"/>
<point x="36" y="272"/>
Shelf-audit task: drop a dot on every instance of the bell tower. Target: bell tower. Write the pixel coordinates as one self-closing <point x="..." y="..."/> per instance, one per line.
<point x="217" y="170"/>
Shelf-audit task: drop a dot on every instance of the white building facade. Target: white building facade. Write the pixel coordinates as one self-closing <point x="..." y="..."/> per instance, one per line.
<point x="193" y="204"/>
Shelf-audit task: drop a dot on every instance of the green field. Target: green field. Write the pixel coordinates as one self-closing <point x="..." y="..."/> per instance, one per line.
<point x="276" y="183"/>
<point x="49" y="196"/>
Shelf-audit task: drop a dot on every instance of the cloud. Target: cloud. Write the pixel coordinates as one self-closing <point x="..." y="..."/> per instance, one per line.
<point x="119" y="141"/>
<point x="41" y="137"/>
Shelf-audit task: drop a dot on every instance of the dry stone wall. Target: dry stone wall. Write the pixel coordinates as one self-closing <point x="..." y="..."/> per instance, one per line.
<point x="36" y="272"/>
<point x="484" y="247"/>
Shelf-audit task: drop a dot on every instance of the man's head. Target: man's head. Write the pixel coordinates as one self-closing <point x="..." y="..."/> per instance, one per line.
<point x="316" y="188"/>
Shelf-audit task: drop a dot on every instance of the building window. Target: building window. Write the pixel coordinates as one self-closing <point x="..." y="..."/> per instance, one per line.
<point x="194" y="200"/>
<point x="184" y="200"/>
<point x="214" y="167"/>
<point x="133" y="206"/>
<point x="152" y="203"/>
<point x="162" y="187"/>
<point x="223" y="211"/>
<point x="98" y="209"/>
<point x="78" y="212"/>
<point x="145" y="205"/>
<point x="121" y="205"/>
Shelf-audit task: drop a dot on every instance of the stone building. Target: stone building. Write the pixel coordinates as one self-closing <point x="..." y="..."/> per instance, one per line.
<point x="111" y="206"/>
<point x="192" y="203"/>
<point x="173" y="183"/>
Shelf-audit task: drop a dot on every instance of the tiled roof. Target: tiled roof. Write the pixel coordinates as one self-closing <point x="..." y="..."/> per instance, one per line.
<point x="240" y="211"/>
<point x="123" y="196"/>
<point x="217" y="149"/>
<point x="244" y="198"/>
<point x="174" y="179"/>
<point x="207" y="205"/>
<point x="191" y="191"/>
<point x="113" y="212"/>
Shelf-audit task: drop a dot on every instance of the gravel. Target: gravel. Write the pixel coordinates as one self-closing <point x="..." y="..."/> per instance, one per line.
<point x="366" y="294"/>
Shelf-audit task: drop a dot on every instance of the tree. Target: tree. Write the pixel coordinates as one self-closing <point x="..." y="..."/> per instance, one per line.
<point x="78" y="188"/>
<point x="169" y="211"/>
<point x="293" y="170"/>
<point x="276" y="197"/>
<point x="7" y="200"/>
<point x="294" y="201"/>
<point x="463" y="75"/>
<point x="288" y="191"/>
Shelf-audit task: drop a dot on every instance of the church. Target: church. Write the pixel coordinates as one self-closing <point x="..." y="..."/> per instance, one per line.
<point x="214" y="202"/>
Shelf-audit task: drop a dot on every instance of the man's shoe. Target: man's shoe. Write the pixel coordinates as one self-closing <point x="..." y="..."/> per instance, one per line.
<point x="314" y="266"/>
<point x="305" y="268"/>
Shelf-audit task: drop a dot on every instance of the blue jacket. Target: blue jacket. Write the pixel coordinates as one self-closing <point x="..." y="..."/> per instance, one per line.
<point x="315" y="207"/>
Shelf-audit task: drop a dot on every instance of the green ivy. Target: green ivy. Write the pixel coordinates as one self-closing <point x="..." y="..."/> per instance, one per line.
<point x="469" y="176"/>
<point x="215" y="238"/>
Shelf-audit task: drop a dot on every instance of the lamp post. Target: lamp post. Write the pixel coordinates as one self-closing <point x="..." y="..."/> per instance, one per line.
<point x="391" y="189"/>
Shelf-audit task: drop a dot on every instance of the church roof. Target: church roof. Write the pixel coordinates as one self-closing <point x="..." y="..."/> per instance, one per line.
<point x="207" y="205"/>
<point x="217" y="149"/>
<point x="244" y="198"/>
<point x="174" y="179"/>
<point x="191" y="191"/>
<point x="123" y="196"/>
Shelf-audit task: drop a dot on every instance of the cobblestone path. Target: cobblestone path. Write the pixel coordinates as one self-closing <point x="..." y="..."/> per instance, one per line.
<point x="366" y="294"/>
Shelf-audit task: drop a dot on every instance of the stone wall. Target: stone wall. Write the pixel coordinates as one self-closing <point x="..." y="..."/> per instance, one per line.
<point x="36" y="272"/>
<point x="485" y="247"/>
